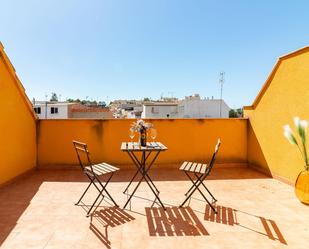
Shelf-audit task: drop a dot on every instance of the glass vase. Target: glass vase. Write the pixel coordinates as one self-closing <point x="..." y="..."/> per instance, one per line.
<point x="302" y="187"/>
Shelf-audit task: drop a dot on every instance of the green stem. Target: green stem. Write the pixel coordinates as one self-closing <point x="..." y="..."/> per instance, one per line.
<point x="305" y="155"/>
<point x="302" y="154"/>
<point x="305" y="149"/>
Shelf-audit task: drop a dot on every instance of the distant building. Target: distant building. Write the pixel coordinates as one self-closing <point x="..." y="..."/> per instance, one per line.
<point x="191" y="107"/>
<point x="89" y="112"/>
<point x="126" y="108"/>
<point x="195" y="107"/>
<point x="160" y="110"/>
<point x="51" y="109"/>
<point x="67" y="110"/>
<point x="136" y="112"/>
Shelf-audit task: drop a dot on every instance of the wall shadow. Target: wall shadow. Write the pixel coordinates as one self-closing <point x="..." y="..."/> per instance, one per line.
<point x="231" y="217"/>
<point x="174" y="221"/>
<point x="256" y="157"/>
<point x="14" y="200"/>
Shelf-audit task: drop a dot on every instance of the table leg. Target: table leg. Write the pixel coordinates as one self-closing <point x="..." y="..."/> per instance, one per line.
<point x="139" y="166"/>
<point x="144" y="172"/>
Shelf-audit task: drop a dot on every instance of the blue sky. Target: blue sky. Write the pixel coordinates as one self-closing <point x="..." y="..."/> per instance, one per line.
<point x="133" y="49"/>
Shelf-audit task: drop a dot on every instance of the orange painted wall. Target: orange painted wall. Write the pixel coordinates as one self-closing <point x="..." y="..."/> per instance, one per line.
<point x="286" y="96"/>
<point x="186" y="139"/>
<point x="17" y="125"/>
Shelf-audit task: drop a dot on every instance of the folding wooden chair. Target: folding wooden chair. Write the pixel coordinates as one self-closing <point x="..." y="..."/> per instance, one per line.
<point x="200" y="171"/>
<point x="93" y="173"/>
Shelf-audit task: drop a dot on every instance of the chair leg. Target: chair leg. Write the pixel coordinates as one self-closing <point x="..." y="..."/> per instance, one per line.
<point x="212" y="207"/>
<point x="191" y="190"/>
<point x="83" y="193"/>
<point x="101" y="191"/>
<point x="88" y="213"/>
<point x="207" y="189"/>
<point x="104" y="189"/>
<point x="196" y="185"/>
<point x="210" y="193"/>
<point x="192" y="184"/>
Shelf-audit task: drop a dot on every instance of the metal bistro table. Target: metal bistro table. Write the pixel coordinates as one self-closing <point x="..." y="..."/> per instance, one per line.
<point x="134" y="149"/>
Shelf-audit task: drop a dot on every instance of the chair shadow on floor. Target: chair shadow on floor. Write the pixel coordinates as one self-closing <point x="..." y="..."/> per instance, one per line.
<point x="229" y="216"/>
<point x="174" y="221"/>
<point x="108" y="217"/>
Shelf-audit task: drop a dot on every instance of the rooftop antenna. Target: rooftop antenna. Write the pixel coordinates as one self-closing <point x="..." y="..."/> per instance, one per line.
<point x="221" y="82"/>
<point x="46" y="95"/>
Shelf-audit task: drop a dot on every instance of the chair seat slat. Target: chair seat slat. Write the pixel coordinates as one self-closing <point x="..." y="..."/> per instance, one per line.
<point x="198" y="167"/>
<point x="203" y="169"/>
<point x="193" y="166"/>
<point x="188" y="166"/>
<point x="102" y="168"/>
<point x="183" y="166"/>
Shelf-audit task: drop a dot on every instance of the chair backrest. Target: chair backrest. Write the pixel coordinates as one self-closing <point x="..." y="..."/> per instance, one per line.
<point x="213" y="159"/>
<point x="83" y="154"/>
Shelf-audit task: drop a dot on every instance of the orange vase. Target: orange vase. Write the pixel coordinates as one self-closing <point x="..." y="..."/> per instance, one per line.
<point x="302" y="186"/>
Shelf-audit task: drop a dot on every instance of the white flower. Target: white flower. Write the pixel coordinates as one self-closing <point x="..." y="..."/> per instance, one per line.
<point x="300" y="129"/>
<point x="304" y="124"/>
<point x="296" y="121"/>
<point x="301" y="126"/>
<point x="289" y="134"/>
<point x="287" y="128"/>
<point x="140" y="122"/>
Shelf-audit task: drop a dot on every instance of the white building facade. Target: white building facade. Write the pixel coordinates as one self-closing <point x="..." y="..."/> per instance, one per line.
<point x="160" y="110"/>
<point x="190" y="107"/>
<point x="195" y="107"/>
<point x="51" y="110"/>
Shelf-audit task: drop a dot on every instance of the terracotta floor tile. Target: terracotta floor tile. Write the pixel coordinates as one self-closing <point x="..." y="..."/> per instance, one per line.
<point x="254" y="212"/>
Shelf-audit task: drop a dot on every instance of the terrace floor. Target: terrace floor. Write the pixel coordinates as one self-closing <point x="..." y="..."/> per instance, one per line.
<point x="255" y="211"/>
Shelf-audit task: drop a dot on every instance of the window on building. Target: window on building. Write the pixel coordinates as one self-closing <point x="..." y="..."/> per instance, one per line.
<point x="154" y="110"/>
<point x="54" y="110"/>
<point x="37" y="110"/>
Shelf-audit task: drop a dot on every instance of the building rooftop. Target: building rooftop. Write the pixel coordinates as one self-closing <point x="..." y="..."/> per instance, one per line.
<point x="85" y="108"/>
<point x="39" y="102"/>
<point x="161" y="104"/>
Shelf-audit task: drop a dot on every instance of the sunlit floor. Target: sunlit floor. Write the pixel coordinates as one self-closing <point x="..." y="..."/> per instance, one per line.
<point x="254" y="211"/>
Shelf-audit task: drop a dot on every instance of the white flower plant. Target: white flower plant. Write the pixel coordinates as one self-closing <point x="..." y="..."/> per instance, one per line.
<point x="301" y="128"/>
<point x="140" y="125"/>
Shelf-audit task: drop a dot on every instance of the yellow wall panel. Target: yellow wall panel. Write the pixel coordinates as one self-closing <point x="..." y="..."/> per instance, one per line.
<point x="186" y="139"/>
<point x="17" y="125"/>
<point x="286" y="96"/>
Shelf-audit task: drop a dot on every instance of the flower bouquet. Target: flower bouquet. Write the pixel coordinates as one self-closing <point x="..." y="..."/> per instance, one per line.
<point x="301" y="127"/>
<point x="141" y="127"/>
<point x="302" y="181"/>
